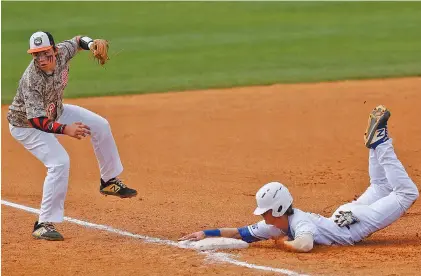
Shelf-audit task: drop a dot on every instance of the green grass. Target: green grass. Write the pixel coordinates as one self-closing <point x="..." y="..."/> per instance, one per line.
<point x="162" y="46"/>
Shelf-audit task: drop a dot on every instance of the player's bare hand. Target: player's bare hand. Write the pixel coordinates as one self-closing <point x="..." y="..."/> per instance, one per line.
<point x="283" y="243"/>
<point x="197" y="236"/>
<point x="77" y="130"/>
<point x="279" y="241"/>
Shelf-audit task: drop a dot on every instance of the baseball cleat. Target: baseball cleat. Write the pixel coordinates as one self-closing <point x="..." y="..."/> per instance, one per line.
<point x="46" y="231"/>
<point x="376" y="132"/>
<point x="116" y="187"/>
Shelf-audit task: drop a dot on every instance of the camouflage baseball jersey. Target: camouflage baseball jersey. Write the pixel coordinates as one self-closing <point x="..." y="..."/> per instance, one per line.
<point x="39" y="94"/>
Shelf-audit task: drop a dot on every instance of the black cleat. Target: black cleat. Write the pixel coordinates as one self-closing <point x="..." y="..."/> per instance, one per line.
<point x="116" y="187"/>
<point x="46" y="231"/>
<point x="376" y="132"/>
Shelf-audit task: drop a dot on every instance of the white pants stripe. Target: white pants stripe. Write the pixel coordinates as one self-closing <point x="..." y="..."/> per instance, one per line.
<point x="51" y="153"/>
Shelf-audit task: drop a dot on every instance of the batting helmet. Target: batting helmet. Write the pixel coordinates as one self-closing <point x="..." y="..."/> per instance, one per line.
<point x="273" y="196"/>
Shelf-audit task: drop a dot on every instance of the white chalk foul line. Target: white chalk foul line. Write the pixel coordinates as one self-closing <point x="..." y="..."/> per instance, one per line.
<point x="211" y="255"/>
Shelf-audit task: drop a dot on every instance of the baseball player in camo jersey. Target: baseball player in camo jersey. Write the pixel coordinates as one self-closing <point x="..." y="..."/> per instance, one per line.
<point x="37" y="114"/>
<point x="390" y="194"/>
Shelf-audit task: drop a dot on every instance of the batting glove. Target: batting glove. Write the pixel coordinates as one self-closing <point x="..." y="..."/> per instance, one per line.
<point x="345" y="218"/>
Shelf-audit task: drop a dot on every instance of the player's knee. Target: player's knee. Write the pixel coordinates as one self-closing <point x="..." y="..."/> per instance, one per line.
<point x="103" y="125"/>
<point x="414" y="194"/>
<point x="409" y="196"/>
<point x="61" y="164"/>
<point x="64" y="160"/>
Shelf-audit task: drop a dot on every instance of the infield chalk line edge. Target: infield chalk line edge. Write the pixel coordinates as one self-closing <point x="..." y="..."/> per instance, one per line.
<point x="211" y="255"/>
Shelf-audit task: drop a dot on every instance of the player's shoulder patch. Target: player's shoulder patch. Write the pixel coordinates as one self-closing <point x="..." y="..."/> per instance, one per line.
<point x="255" y="226"/>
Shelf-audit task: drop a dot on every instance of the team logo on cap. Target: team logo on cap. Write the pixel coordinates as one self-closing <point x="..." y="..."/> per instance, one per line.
<point x="38" y="41"/>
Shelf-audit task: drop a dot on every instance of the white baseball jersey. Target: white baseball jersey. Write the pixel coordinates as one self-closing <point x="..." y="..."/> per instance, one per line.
<point x="323" y="230"/>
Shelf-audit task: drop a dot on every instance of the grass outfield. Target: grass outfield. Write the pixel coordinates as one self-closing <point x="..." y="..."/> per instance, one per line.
<point x="176" y="46"/>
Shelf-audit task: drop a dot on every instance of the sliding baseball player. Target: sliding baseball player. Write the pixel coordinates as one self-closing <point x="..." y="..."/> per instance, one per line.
<point x="390" y="194"/>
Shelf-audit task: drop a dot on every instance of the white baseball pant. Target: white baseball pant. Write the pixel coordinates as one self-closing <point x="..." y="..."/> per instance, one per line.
<point x="51" y="153"/>
<point x="390" y="194"/>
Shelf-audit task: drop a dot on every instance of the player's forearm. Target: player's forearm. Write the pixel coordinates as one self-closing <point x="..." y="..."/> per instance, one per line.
<point x="223" y="232"/>
<point x="47" y="125"/>
<point x="230" y="233"/>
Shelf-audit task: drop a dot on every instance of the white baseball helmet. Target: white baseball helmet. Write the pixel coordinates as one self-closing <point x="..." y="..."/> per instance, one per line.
<point x="273" y="196"/>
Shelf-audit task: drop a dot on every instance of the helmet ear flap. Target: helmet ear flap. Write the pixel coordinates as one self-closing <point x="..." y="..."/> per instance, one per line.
<point x="276" y="212"/>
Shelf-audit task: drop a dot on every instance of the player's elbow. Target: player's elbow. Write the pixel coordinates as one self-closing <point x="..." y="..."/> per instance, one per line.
<point x="303" y="243"/>
<point x="303" y="247"/>
<point x="307" y="247"/>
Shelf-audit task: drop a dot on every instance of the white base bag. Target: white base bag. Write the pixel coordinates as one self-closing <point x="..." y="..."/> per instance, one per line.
<point x="214" y="244"/>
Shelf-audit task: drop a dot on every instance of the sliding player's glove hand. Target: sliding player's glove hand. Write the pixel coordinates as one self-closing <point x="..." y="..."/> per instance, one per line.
<point x="345" y="218"/>
<point x="99" y="49"/>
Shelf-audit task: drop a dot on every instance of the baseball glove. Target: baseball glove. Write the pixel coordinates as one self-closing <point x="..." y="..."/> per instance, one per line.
<point x="99" y="50"/>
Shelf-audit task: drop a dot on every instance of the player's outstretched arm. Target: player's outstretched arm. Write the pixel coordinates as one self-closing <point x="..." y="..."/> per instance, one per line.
<point x="221" y="232"/>
<point x="98" y="48"/>
<point x="302" y="243"/>
<point x="251" y="233"/>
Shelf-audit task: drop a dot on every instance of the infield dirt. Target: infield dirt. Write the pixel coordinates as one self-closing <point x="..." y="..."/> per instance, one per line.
<point x="197" y="158"/>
